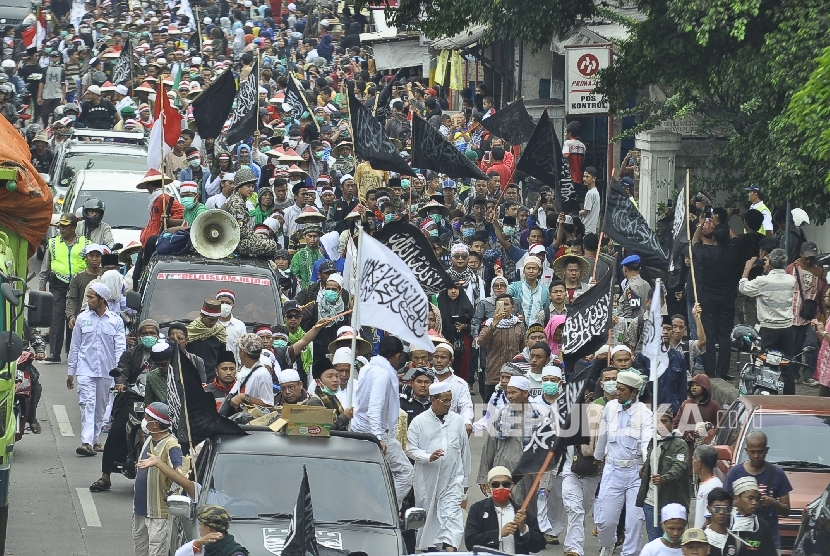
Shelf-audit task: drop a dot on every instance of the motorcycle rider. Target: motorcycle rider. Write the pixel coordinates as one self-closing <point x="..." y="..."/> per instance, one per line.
<point x="7" y="106"/>
<point x="132" y="364"/>
<point x="93" y="226"/>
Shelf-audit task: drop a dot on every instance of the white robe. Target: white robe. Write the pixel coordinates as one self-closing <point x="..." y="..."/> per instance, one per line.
<point x="439" y="485"/>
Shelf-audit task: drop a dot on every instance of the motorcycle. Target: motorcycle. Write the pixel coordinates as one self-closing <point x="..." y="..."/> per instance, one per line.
<point x="762" y="374"/>
<point x="27" y="387"/>
<point x="133" y="400"/>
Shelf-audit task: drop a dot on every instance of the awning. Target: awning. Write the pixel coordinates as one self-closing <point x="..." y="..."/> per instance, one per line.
<point x="463" y="39"/>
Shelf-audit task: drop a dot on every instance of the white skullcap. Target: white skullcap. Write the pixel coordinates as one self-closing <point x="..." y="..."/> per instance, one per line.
<point x="631" y="379"/>
<point x="552" y="370"/>
<point x="160" y="347"/>
<point x="196" y="59"/>
<point x="459" y="248"/>
<point x="335" y="277"/>
<point x="103" y="249"/>
<point x="207" y="21"/>
<point x="229" y="176"/>
<point x="739" y="486"/>
<point x="520" y="382"/>
<point x="616" y="349"/>
<point x="272" y="223"/>
<point x="345" y="177"/>
<point x="498" y="471"/>
<point x="122" y="90"/>
<point x="342" y="355"/>
<point x="532" y="260"/>
<point x="345" y="330"/>
<point x="289" y="375"/>
<point x="324" y="22"/>
<point x="439" y="387"/>
<point x="101" y="289"/>
<point x="292" y="7"/>
<point x="674" y="511"/>
<point x="447" y="347"/>
<point x="263" y="91"/>
<point x="268" y="358"/>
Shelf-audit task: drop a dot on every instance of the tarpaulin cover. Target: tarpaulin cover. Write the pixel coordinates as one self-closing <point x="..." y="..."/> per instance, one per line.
<point x="28" y="209"/>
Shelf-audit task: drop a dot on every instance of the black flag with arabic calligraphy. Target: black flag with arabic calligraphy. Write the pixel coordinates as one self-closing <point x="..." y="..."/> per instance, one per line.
<point x="512" y="123"/>
<point x="242" y="122"/>
<point x="212" y="106"/>
<point x="122" y="72"/>
<point x="588" y="320"/>
<point x="408" y="243"/>
<point x="297" y="100"/>
<point x="625" y="225"/>
<point x="371" y="143"/>
<point x="302" y="535"/>
<point x="432" y="151"/>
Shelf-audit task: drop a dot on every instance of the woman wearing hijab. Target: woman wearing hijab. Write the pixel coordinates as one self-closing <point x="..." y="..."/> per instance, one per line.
<point x="456" y="315"/>
<point x="326" y="48"/>
<point x="553" y="333"/>
<point x="264" y="207"/>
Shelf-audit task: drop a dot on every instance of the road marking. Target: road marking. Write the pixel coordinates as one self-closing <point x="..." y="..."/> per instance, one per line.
<point x="63" y="420"/>
<point x="88" y="506"/>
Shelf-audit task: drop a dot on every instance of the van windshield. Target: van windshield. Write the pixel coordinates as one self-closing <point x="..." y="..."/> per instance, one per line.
<point x="178" y="296"/>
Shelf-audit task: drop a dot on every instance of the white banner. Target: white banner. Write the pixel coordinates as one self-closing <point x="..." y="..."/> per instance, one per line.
<point x="653" y="336"/>
<point x="582" y="65"/>
<point x="390" y="297"/>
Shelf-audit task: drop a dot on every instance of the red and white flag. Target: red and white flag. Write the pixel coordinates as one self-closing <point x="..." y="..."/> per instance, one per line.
<point x="36" y="34"/>
<point x="169" y="130"/>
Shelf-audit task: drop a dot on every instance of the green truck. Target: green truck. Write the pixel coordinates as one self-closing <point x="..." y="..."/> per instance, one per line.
<point x="25" y="213"/>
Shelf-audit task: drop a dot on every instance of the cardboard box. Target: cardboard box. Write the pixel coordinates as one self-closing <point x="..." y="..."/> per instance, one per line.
<point x="307" y="421"/>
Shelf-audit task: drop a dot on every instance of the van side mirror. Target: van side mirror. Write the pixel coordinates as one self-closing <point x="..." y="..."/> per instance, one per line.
<point x="180" y="506"/>
<point x="134" y="300"/>
<point x="414" y="518"/>
<point x="39" y="309"/>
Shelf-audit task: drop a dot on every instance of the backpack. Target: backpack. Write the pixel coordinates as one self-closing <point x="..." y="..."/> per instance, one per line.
<point x="401" y="131"/>
<point x="177" y="243"/>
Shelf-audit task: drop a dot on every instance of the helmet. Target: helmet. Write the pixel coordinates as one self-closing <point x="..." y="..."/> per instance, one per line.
<point x="99" y="78"/>
<point x="744" y="337"/>
<point x="7" y="88"/>
<point x="4" y="78"/>
<point x="93" y="203"/>
<point x="8" y="64"/>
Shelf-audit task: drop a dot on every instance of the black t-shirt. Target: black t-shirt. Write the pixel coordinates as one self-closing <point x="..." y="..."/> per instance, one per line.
<point x="31" y="74"/>
<point x="41" y="162"/>
<point x="98" y="117"/>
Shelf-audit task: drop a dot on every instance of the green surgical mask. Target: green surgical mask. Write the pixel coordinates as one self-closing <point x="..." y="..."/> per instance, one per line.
<point x="436" y="218"/>
<point x="188" y="202"/>
<point x="280" y="344"/>
<point x="328" y="391"/>
<point x="550" y="388"/>
<point x="319" y="154"/>
<point x="509" y="230"/>
<point x="331" y="296"/>
<point x="387" y="218"/>
<point x="433" y="233"/>
<point x="148" y="341"/>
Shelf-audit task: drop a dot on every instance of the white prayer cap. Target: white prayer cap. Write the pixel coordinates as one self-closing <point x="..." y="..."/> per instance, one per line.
<point x="207" y="21"/>
<point x="345" y="330"/>
<point x="447" y="347"/>
<point x="739" y="486"/>
<point x="160" y="346"/>
<point x="335" y="277"/>
<point x="631" y="379"/>
<point x="289" y="375"/>
<point x="345" y="177"/>
<point x="196" y="60"/>
<point x="602" y="351"/>
<point x="439" y="387"/>
<point x="229" y="176"/>
<point x="616" y="349"/>
<point x="532" y="260"/>
<point x="272" y="223"/>
<point x="520" y="382"/>
<point x="459" y="248"/>
<point x="292" y="7"/>
<point x="342" y="355"/>
<point x="122" y="90"/>
<point x="263" y="91"/>
<point x="498" y="471"/>
<point x="673" y="511"/>
<point x="552" y="370"/>
<point x="324" y="22"/>
<point x="101" y="289"/>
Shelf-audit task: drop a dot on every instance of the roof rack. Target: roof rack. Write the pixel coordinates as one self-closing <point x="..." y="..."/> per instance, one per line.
<point x="107" y="135"/>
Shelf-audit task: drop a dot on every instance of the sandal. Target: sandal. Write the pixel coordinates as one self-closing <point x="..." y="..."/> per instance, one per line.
<point x="34" y="426"/>
<point x="100" y="485"/>
<point x="98" y="448"/>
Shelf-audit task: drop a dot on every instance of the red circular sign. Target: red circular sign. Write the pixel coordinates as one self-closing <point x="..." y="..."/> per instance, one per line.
<point x="587" y="65"/>
<point x="314" y="430"/>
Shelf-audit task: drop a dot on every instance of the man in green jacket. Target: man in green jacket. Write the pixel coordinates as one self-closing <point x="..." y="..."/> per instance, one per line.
<point x="671" y="484"/>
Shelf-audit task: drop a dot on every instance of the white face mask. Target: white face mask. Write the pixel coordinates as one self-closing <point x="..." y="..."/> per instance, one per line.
<point x="226" y="309"/>
<point x="144" y="428"/>
<point x="443" y="371"/>
<point x="609" y="386"/>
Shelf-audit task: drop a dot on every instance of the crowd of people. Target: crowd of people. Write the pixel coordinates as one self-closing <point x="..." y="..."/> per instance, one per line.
<point x="518" y="262"/>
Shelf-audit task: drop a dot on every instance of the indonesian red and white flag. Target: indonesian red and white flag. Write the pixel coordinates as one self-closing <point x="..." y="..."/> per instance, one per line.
<point x="163" y="137"/>
<point x="36" y="34"/>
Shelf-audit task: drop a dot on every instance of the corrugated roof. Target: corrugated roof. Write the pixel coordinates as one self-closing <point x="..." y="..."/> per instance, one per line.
<point x="465" y="38"/>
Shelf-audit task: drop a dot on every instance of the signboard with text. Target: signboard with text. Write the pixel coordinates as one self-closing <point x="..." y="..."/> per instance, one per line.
<point x="582" y="66"/>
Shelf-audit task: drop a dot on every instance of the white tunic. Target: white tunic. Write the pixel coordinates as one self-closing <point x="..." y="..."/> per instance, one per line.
<point x="439" y="485"/>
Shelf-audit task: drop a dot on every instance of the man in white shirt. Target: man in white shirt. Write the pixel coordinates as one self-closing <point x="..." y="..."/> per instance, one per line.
<point x="590" y="212"/>
<point x="704" y="460"/>
<point x="673" y="519"/>
<point x="462" y="403"/>
<point x="437" y="443"/>
<point x="757" y="202"/>
<point x="625" y="431"/>
<point x="234" y="328"/>
<point x="254" y="385"/>
<point x="98" y="340"/>
<point x="377" y="408"/>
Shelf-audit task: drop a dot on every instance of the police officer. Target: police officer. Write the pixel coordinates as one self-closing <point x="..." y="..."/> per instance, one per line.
<point x="625" y="431"/>
<point x="63" y="259"/>
<point x="756" y="197"/>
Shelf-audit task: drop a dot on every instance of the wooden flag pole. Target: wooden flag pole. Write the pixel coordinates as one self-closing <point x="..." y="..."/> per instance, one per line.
<point x="689" y="234"/>
<point x="537" y="480"/>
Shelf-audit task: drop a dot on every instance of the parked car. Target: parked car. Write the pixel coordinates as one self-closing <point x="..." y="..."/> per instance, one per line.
<point x="257" y="478"/>
<point x="814" y="536"/>
<point x="798" y="433"/>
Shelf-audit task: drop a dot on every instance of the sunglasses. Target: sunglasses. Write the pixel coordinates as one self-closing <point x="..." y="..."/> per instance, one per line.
<point x="721" y="509"/>
<point x="292" y="316"/>
<point x="503" y="484"/>
<point x="459" y="256"/>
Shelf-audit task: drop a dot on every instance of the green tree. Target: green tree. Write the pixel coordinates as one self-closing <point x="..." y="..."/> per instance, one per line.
<point x="809" y="110"/>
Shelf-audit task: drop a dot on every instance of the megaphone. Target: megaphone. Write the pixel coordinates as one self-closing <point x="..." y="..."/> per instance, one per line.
<point x="214" y="234"/>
